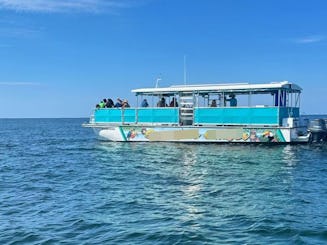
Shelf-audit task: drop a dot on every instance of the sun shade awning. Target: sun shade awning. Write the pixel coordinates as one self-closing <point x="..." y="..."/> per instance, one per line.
<point x="228" y="88"/>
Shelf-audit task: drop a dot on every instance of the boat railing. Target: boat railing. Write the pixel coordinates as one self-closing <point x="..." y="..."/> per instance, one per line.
<point x="153" y="116"/>
<point x="271" y="116"/>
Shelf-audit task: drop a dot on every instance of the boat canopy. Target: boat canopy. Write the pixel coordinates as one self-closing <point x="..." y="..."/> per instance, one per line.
<point x="223" y="88"/>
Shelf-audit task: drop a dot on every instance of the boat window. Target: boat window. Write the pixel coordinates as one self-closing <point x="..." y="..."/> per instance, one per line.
<point x="255" y="100"/>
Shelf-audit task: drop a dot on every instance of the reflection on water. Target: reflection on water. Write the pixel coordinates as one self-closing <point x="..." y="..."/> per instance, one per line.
<point x="289" y="155"/>
<point x="199" y="188"/>
<point x="189" y="156"/>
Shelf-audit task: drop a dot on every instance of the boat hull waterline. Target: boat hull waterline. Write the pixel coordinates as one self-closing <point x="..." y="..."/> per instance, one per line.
<point x="197" y="134"/>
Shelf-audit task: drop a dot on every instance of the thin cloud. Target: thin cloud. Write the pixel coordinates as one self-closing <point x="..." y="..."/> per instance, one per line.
<point x="15" y="31"/>
<point x="12" y="28"/>
<point x="62" y="6"/>
<point x="310" y="39"/>
<point x="19" y="84"/>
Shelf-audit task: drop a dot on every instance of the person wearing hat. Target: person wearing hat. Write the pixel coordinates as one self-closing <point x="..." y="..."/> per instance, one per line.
<point x="125" y="104"/>
<point x="232" y="100"/>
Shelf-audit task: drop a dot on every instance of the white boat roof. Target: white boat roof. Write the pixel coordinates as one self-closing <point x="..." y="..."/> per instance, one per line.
<point x="228" y="87"/>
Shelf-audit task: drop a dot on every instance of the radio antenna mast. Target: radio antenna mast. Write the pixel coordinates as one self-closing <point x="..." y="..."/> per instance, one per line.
<point x="184" y="69"/>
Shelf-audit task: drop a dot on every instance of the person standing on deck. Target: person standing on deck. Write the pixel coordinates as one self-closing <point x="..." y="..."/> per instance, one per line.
<point x="162" y="103"/>
<point x="213" y="103"/>
<point x="173" y="103"/>
<point x="232" y="100"/>
<point x="144" y="103"/>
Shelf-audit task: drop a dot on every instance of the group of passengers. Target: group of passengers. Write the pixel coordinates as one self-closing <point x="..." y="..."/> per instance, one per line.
<point x="108" y="103"/>
<point x="161" y="103"/>
<point x="232" y="101"/>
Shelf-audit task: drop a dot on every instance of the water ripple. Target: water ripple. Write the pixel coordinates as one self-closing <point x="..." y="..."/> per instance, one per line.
<point x="59" y="184"/>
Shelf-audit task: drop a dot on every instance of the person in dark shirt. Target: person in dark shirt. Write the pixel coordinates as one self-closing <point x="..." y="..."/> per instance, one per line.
<point x="119" y="103"/>
<point x="213" y="103"/>
<point x="173" y="103"/>
<point x="144" y="103"/>
<point x="109" y="103"/>
<point x="162" y="103"/>
<point x="232" y="100"/>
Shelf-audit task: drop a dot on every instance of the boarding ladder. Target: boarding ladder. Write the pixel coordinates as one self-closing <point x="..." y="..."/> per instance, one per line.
<point x="186" y="109"/>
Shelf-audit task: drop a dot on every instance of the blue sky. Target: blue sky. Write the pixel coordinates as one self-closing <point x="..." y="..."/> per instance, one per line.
<point x="58" y="58"/>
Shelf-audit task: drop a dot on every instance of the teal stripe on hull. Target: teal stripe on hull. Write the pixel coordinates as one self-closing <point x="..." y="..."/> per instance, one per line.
<point x="122" y="133"/>
<point x="280" y="136"/>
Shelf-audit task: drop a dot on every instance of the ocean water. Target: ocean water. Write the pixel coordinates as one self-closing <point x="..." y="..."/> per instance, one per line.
<point x="60" y="185"/>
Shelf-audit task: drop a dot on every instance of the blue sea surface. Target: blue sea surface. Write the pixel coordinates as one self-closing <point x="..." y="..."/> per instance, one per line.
<point x="60" y="184"/>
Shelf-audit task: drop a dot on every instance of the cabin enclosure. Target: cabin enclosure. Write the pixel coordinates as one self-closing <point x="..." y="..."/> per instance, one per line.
<point x="176" y="106"/>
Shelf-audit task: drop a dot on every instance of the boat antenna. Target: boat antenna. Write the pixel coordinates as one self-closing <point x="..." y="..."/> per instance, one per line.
<point x="157" y="81"/>
<point x="184" y="69"/>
